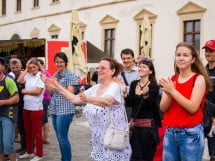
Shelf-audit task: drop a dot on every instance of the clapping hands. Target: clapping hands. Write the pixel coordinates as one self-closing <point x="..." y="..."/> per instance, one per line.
<point x="167" y="85"/>
<point x="50" y="82"/>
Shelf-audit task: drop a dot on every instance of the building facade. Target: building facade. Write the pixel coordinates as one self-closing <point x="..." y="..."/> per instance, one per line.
<point x="110" y="25"/>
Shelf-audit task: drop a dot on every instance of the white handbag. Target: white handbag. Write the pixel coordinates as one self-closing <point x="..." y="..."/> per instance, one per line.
<point x="114" y="138"/>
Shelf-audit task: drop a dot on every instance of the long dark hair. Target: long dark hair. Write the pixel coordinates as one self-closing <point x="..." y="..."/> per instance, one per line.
<point x="149" y="63"/>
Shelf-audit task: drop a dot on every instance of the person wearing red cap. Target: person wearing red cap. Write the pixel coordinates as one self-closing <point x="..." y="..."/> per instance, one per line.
<point x="210" y="57"/>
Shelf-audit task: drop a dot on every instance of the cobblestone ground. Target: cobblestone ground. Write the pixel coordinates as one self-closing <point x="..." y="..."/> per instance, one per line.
<point x="80" y="139"/>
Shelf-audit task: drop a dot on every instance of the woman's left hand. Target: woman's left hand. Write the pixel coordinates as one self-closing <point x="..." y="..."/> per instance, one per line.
<point x="50" y="82"/>
<point x="43" y="77"/>
<point x="167" y="85"/>
<point x="82" y="96"/>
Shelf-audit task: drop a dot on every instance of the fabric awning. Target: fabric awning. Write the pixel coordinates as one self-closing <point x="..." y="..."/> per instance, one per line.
<point x="94" y="54"/>
<point x="10" y="45"/>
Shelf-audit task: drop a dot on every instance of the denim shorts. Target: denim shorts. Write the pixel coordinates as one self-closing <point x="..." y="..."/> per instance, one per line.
<point x="6" y="135"/>
<point x="183" y="144"/>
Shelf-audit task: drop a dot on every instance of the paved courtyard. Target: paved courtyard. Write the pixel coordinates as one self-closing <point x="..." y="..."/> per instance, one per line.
<point x="80" y="139"/>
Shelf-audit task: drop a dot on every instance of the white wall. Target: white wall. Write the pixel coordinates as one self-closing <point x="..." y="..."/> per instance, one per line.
<point x="165" y="30"/>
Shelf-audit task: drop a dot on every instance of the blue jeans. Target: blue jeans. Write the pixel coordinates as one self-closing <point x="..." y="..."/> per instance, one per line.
<point x="183" y="144"/>
<point x="211" y="146"/>
<point x="46" y="104"/>
<point x="7" y="127"/>
<point x="61" y="124"/>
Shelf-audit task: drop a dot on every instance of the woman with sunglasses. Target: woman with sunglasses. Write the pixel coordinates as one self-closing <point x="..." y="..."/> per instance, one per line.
<point x="182" y="98"/>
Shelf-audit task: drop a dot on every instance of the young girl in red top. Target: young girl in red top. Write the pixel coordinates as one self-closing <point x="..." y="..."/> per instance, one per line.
<point x="181" y="101"/>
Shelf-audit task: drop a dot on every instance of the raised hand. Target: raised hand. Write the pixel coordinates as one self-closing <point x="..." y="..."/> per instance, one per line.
<point x="43" y="77"/>
<point x="167" y="85"/>
<point x="82" y="97"/>
<point x="121" y="84"/>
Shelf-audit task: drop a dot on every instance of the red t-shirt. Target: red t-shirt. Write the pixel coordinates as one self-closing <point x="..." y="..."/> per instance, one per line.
<point x="176" y="116"/>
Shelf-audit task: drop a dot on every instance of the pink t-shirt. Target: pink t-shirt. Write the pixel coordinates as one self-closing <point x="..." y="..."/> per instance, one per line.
<point x="46" y="95"/>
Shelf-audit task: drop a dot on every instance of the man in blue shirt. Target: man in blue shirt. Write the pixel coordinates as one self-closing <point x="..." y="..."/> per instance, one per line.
<point x="130" y="72"/>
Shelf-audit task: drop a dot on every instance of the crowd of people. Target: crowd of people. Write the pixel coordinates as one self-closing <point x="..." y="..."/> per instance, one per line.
<point x="164" y="116"/>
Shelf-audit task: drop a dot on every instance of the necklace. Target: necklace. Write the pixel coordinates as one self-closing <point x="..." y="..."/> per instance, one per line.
<point x="141" y="87"/>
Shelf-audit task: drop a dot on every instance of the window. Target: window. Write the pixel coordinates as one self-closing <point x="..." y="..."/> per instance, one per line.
<point x="192" y="32"/>
<point x="54" y="36"/>
<point x="3" y="7"/>
<point x="36" y="3"/>
<point x="191" y="24"/>
<point x="109" y="42"/>
<point x="18" y="5"/>
<point x="109" y="25"/>
<point x="55" y="2"/>
<point x="54" y="31"/>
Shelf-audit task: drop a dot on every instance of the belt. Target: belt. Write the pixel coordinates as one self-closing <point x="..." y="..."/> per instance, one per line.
<point x="141" y="122"/>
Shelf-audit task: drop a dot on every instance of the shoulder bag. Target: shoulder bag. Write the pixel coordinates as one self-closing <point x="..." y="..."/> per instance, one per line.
<point x="114" y="138"/>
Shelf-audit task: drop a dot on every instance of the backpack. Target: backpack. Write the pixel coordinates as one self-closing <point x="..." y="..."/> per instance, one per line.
<point x="208" y="112"/>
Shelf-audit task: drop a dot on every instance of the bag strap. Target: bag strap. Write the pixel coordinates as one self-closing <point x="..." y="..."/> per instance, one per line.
<point x="123" y="76"/>
<point x="126" y="119"/>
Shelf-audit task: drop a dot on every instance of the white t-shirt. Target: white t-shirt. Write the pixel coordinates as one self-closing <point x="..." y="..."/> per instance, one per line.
<point x="33" y="103"/>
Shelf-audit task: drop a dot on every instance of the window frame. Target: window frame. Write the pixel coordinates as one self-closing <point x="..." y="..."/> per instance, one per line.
<point x="36" y="3"/>
<point x="191" y="12"/>
<point x="193" y="32"/>
<point x="108" y="22"/>
<point x="18" y="5"/>
<point x="54" y="36"/>
<point x="4" y="7"/>
<point x="111" y="39"/>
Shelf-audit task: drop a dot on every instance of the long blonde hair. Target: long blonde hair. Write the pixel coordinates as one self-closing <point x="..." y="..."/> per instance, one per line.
<point x="197" y="66"/>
